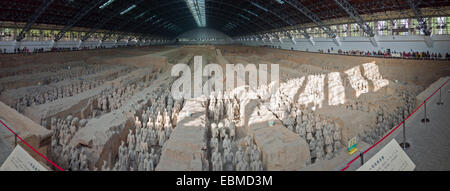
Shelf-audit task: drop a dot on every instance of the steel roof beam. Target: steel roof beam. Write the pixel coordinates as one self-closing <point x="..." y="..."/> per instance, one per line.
<point x="216" y="10"/>
<point x="84" y="11"/>
<point x="418" y="14"/>
<point x="422" y="22"/>
<point x="285" y="18"/>
<point x="34" y="18"/>
<point x="353" y="13"/>
<point x="266" y="21"/>
<point x="218" y="17"/>
<point x="313" y="17"/>
<point x="106" y="19"/>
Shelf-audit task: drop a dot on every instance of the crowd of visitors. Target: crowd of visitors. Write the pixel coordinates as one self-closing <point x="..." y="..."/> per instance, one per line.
<point x="386" y="53"/>
<point x="26" y="50"/>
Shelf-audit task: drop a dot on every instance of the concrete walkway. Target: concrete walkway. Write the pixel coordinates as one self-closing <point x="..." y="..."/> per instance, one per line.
<point x="5" y="147"/>
<point x="430" y="143"/>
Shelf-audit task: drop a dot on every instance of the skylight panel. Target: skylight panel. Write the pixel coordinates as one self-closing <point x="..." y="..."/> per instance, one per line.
<point x="244" y="17"/>
<point x="230" y="26"/>
<point x="280" y="1"/>
<point x="106" y="4"/>
<point x="167" y="25"/>
<point x="170" y="26"/>
<point x="197" y="8"/>
<point x="128" y="9"/>
<point x="157" y="21"/>
<point x="150" y="18"/>
<point x="252" y="13"/>
<point x="139" y="16"/>
<point x="259" y="6"/>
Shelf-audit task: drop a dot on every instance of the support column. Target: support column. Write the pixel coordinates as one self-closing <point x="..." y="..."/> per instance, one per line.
<point x="374" y="41"/>
<point x="293" y="40"/>
<point x="337" y="41"/>
<point x="311" y="40"/>
<point x="15" y="45"/>
<point x="428" y="41"/>
<point x="79" y="44"/>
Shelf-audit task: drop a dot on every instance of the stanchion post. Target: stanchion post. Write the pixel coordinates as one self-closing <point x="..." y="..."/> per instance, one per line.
<point x="440" y="98"/>
<point x="404" y="144"/>
<point x="425" y="119"/>
<point x="361" y="154"/>
<point x="15" y="139"/>
<point x="404" y="132"/>
<point x="425" y="111"/>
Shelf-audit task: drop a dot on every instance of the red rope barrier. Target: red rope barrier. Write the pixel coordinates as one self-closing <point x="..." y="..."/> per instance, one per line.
<point x="390" y="132"/>
<point x="59" y="168"/>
